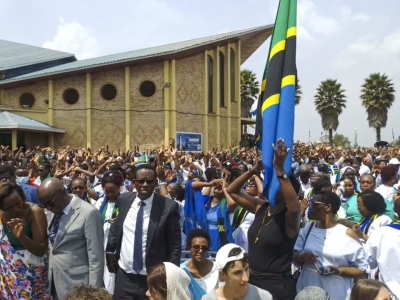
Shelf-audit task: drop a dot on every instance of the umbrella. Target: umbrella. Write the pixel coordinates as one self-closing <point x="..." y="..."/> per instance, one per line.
<point x="381" y="144"/>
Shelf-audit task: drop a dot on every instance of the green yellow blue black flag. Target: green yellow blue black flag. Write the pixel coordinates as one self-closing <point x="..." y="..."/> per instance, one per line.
<point x="275" y="111"/>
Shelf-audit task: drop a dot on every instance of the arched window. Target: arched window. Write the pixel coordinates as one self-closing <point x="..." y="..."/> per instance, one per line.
<point x="232" y="79"/>
<point x="221" y="79"/>
<point x="210" y="99"/>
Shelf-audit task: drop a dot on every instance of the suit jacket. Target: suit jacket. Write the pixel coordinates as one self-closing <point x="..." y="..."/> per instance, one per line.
<point x="30" y="193"/>
<point x="163" y="235"/>
<point x="77" y="256"/>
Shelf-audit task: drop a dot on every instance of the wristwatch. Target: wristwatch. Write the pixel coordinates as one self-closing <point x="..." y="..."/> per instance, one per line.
<point x="283" y="176"/>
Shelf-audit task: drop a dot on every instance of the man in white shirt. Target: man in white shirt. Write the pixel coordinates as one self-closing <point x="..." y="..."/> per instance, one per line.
<point x="382" y="250"/>
<point x="145" y="233"/>
<point x="305" y="175"/>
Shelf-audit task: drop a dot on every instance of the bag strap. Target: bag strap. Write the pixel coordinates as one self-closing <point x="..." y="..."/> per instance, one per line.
<point x="308" y="233"/>
<point x="221" y="224"/>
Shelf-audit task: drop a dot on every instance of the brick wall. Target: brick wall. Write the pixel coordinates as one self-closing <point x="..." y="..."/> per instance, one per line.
<point x="33" y="139"/>
<point x="108" y="116"/>
<point x="71" y="117"/>
<point x="147" y="115"/>
<point x="189" y="94"/>
<point x="38" y="90"/>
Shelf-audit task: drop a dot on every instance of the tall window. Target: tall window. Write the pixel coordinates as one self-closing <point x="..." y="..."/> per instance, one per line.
<point x="210" y="83"/>
<point x="232" y="79"/>
<point x="221" y="79"/>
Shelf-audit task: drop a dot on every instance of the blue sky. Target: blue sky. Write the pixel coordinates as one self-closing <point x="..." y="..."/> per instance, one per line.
<point x="344" y="40"/>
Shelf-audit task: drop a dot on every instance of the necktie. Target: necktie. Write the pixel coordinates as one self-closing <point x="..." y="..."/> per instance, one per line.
<point x="138" y="243"/>
<point x="56" y="225"/>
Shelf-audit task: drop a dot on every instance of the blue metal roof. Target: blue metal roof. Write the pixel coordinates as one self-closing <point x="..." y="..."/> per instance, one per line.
<point x="137" y="54"/>
<point x="10" y="120"/>
<point x="15" y="55"/>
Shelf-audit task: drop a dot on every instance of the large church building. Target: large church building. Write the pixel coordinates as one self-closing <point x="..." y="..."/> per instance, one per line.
<point x="137" y="98"/>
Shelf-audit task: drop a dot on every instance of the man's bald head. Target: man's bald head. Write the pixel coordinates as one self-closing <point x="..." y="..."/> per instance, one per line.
<point x="305" y="173"/>
<point x="53" y="195"/>
<point x="304" y="168"/>
<point x="49" y="186"/>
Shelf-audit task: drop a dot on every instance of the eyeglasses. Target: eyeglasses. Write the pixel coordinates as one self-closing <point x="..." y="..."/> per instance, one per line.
<point x="142" y="181"/>
<point x="198" y="248"/>
<point x="51" y="203"/>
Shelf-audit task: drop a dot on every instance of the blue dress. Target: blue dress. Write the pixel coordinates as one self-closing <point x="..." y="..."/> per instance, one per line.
<point x="212" y="220"/>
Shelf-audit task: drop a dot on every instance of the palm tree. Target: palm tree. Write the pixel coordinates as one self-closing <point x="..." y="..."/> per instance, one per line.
<point x="297" y="98"/>
<point x="329" y="103"/>
<point x="249" y="88"/>
<point x="377" y="96"/>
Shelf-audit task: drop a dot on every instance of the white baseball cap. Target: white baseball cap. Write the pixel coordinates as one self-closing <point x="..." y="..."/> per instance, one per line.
<point x="394" y="161"/>
<point x="222" y="257"/>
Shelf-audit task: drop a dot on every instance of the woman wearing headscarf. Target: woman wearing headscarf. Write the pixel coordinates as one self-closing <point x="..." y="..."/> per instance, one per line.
<point x="168" y="282"/>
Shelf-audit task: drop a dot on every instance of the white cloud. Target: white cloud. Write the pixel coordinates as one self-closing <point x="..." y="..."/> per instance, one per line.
<point x="74" y="38"/>
<point x="308" y="15"/>
<point x="384" y="50"/>
<point x="346" y="15"/>
<point x="316" y="22"/>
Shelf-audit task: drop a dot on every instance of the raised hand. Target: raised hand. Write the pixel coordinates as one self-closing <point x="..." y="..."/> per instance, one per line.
<point x="17" y="227"/>
<point x="281" y="152"/>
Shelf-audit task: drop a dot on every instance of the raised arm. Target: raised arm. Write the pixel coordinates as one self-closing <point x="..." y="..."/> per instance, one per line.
<point x="251" y="204"/>
<point x="293" y="214"/>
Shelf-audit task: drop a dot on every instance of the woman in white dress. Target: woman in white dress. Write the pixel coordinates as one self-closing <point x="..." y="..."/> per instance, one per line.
<point x="108" y="207"/>
<point x="331" y="255"/>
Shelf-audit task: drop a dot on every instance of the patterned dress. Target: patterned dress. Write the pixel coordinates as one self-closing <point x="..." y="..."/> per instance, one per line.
<point x="23" y="275"/>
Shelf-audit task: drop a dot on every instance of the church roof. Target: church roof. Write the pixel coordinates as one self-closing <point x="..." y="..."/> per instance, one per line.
<point x="10" y="120"/>
<point x="142" y="54"/>
<point x="16" y="55"/>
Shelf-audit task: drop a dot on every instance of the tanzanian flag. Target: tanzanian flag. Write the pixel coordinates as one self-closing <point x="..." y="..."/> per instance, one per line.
<point x="275" y="111"/>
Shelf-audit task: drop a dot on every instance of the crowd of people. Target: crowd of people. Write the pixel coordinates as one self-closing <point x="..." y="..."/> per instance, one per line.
<point x="165" y="224"/>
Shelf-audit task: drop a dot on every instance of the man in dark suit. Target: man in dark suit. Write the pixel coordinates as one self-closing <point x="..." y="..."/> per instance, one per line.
<point x="7" y="173"/>
<point x="145" y="233"/>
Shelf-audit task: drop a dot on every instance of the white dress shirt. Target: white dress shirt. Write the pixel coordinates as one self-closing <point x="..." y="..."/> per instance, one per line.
<point x="305" y="187"/>
<point x="128" y="235"/>
<point x="382" y="250"/>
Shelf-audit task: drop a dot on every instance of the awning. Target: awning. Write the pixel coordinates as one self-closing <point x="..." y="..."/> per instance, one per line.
<point x="247" y="121"/>
<point x="10" y="121"/>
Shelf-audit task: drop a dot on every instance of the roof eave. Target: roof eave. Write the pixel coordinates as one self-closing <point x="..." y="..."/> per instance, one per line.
<point x="163" y="56"/>
<point x="32" y="128"/>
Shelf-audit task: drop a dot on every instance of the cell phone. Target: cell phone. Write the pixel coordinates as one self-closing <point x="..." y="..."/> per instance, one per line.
<point x="326" y="271"/>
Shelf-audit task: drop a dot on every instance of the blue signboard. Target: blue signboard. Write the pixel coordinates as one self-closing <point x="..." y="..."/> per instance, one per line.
<point x="189" y="141"/>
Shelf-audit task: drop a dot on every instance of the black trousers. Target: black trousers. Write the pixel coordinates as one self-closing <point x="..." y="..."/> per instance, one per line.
<point x="130" y="286"/>
<point x="280" y="288"/>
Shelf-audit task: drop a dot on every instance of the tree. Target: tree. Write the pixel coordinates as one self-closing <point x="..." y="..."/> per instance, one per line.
<point x="297" y="98"/>
<point x="249" y="88"/>
<point x="339" y="140"/>
<point x="329" y="103"/>
<point x="377" y="96"/>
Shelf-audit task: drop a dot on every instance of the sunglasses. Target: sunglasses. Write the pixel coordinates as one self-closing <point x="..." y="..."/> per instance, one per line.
<point x="51" y="203"/>
<point x="198" y="248"/>
<point x="142" y="181"/>
<point x="319" y="203"/>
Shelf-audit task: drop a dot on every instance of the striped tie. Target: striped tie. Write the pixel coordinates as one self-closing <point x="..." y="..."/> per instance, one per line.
<point x="56" y="225"/>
